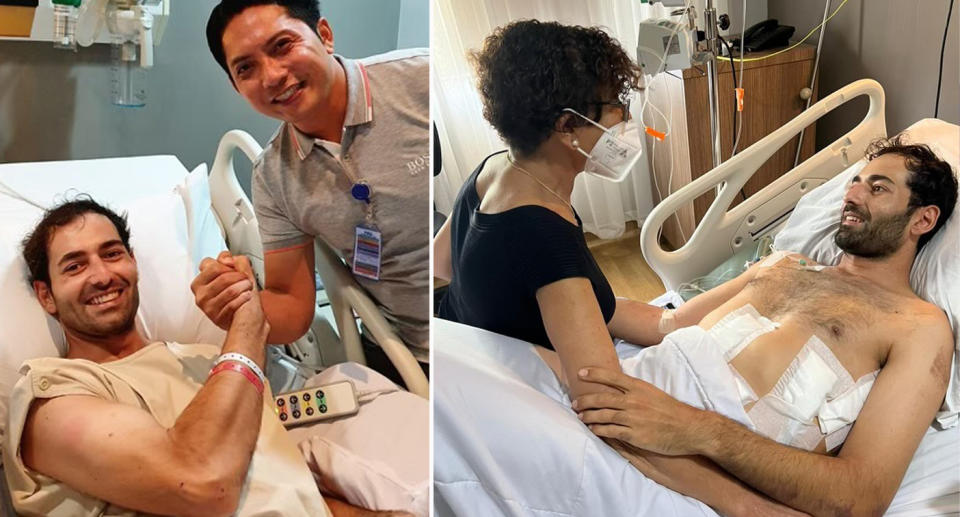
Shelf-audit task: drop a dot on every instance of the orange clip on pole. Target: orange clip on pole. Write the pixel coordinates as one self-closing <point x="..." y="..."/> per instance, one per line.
<point x="739" y="99"/>
<point x="656" y="134"/>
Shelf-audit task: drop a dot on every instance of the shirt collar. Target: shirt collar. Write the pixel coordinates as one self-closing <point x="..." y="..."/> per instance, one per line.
<point x="359" y="105"/>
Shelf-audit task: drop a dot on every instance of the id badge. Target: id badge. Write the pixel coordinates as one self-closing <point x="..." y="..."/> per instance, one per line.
<point x="367" y="247"/>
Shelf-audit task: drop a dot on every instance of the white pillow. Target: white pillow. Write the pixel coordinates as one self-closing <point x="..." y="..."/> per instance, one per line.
<point x="203" y="229"/>
<point x="936" y="271"/>
<point x="351" y="458"/>
<point x="158" y="236"/>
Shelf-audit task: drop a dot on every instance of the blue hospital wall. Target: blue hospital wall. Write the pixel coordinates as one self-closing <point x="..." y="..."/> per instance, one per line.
<point x="895" y="42"/>
<point x="55" y="105"/>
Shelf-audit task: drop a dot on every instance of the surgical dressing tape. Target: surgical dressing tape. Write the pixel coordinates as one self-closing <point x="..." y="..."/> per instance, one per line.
<point x="668" y="321"/>
<point x="803" y="387"/>
<point x="739" y="328"/>
<point x="814" y="399"/>
<point x="843" y="410"/>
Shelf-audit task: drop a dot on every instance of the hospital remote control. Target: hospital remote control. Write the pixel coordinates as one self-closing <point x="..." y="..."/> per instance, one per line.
<point x="317" y="403"/>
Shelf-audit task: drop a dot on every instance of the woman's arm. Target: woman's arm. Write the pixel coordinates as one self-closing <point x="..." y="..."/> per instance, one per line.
<point x="636" y="322"/>
<point x="442" y="266"/>
<point x="639" y="323"/>
<point x="575" y="326"/>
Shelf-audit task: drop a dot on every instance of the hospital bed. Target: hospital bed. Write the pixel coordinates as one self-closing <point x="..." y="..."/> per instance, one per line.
<point x="177" y="217"/>
<point x="506" y="441"/>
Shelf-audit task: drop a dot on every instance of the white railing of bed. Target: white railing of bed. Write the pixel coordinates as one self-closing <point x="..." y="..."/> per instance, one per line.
<point x="347" y="299"/>
<point x="722" y="231"/>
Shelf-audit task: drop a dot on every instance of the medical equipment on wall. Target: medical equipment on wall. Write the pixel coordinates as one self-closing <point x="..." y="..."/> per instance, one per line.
<point x="676" y="44"/>
<point x="133" y="28"/>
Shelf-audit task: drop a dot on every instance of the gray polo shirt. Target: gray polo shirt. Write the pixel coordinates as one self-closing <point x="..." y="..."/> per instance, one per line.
<point x="301" y="185"/>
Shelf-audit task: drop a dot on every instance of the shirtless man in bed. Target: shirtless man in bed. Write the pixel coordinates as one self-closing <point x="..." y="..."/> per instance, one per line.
<point x="124" y="424"/>
<point x="856" y="320"/>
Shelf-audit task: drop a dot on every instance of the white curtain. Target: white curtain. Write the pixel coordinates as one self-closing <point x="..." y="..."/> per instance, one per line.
<point x="465" y="136"/>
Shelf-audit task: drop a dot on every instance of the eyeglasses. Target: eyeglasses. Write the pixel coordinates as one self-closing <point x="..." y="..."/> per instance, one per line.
<point x="624" y="106"/>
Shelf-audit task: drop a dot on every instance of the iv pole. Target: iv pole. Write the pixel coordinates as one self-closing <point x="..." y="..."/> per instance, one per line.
<point x="713" y="81"/>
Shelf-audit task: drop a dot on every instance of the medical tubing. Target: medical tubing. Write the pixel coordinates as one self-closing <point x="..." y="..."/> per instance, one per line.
<point x="813" y="78"/>
<point x="743" y="30"/>
<point x="8" y="190"/>
<point x="943" y="47"/>
<point x="672" y="162"/>
<point x="733" y="135"/>
<point x="805" y="38"/>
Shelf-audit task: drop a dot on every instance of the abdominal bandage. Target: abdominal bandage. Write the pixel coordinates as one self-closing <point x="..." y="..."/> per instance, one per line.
<point x="815" y="398"/>
<point x="668" y="321"/>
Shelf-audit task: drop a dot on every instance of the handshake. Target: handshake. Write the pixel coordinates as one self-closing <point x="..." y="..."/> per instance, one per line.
<point x="226" y="291"/>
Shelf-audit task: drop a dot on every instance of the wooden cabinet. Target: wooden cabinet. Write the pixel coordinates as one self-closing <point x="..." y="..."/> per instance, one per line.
<point x="772" y="90"/>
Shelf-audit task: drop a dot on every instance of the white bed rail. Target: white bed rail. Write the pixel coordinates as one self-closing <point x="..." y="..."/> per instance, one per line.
<point x="239" y="223"/>
<point x="230" y="204"/>
<point x="723" y="232"/>
<point x="346" y="297"/>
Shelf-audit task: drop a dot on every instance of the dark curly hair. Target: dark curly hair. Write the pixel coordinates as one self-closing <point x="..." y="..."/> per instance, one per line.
<point x="35" y="244"/>
<point x="529" y="71"/>
<point x="931" y="183"/>
<point x="307" y="11"/>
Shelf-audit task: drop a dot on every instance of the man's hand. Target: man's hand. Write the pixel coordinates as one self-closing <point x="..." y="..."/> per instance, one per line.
<point x="220" y="289"/>
<point x="640" y="415"/>
<point x="248" y="317"/>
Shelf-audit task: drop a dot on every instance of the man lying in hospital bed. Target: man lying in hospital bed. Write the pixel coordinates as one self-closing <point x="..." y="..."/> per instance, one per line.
<point x="839" y="346"/>
<point x="829" y="316"/>
<point x="124" y="424"/>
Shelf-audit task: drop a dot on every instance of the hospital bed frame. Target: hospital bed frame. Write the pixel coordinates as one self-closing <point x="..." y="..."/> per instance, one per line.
<point x="347" y="299"/>
<point x="723" y="232"/>
<point x="238" y="225"/>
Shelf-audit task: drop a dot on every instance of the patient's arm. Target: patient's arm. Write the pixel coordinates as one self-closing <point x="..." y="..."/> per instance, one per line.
<point x="639" y="322"/>
<point x="121" y="454"/>
<point x="704" y="481"/>
<point x="693" y="311"/>
<point x="861" y="480"/>
<point x="576" y="330"/>
<point x="864" y="477"/>
<point x="288" y="295"/>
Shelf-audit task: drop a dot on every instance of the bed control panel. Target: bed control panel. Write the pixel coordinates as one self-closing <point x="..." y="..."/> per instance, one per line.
<point x="317" y="403"/>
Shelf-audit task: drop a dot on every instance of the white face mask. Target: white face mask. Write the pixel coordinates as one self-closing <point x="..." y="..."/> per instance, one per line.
<point x="616" y="152"/>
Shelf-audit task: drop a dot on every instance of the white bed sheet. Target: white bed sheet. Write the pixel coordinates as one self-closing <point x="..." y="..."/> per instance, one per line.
<point x="507" y="443"/>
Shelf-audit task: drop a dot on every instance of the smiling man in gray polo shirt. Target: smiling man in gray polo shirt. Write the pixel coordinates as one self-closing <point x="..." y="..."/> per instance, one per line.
<point x="347" y="166"/>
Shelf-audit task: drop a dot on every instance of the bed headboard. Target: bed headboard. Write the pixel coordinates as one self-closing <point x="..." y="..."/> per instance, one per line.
<point x="722" y="231"/>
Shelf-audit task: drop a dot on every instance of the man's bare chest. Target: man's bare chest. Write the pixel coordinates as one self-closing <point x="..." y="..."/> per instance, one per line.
<point x="843" y="312"/>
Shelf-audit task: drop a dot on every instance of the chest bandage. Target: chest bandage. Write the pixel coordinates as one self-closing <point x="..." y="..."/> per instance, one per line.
<point x="814" y="399"/>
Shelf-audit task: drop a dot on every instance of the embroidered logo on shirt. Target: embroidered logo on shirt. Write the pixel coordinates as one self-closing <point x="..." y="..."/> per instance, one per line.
<point x="416" y="165"/>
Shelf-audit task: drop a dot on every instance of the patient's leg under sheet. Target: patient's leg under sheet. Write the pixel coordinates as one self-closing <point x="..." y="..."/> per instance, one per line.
<point x="378" y="458"/>
<point x="507" y="443"/>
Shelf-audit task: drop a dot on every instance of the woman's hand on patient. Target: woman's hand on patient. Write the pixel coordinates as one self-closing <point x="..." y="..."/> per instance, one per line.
<point x="640" y="415"/>
<point x="220" y="288"/>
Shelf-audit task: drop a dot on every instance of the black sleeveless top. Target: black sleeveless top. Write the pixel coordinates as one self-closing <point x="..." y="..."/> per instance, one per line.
<point x="501" y="260"/>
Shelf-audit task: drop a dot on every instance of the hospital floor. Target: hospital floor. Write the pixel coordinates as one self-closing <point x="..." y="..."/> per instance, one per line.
<point x="622" y="263"/>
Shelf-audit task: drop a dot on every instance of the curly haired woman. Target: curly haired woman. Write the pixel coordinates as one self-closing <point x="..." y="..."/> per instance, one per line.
<point x="514" y="247"/>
